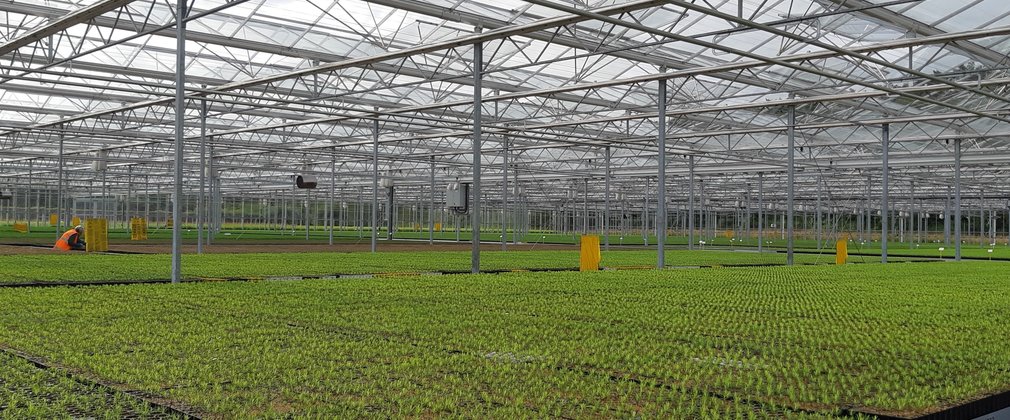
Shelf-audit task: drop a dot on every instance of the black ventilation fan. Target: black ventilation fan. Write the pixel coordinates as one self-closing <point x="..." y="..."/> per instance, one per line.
<point x="305" y="181"/>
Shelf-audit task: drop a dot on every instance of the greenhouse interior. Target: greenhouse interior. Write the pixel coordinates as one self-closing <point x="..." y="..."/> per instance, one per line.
<point x="518" y="209"/>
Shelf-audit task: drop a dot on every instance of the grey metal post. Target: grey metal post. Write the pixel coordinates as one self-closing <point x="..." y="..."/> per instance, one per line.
<point x="606" y="202"/>
<point x="585" y="206"/>
<point x="504" y="190"/>
<point x="30" y="208"/>
<point x="946" y="219"/>
<point x="180" y="109"/>
<point x="912" y="236"/>
<point x="341" y="208"/>
<point x="306" y="214"/>
<point x="59" y="188"/>
<point x="390" y="212"/>
<point x="645" y="214"/>
<point x="212" y="201"/>
<point x="105" y="190"/>
<point x="431" y="211"/>
<point x="981" y="218"/>
<point x="820" y="220"/>
<point x="790" y="152"/>
<point x="761" y="206"/>
<point x="284" y="213"/>
<point x="992" y="227"/>
<point x="869" y="207"/>
<point x="361" y="212"/>
<point x="885" y="145"/>
<point x="129" y="196"/>
<point x="333" y="187"/>
<point x="375" y="181"/>
<point x="900" y="224"/>
<point x="147" y="198"/>
<point x="478" y="70"/>
<point x="745" y="224"/>
<point x="661" y="181"/>
<point x="518" y="219"/>
<point x="690" y="201"/>
<point x="201" y="212"/>
<point x="957" y="200"/>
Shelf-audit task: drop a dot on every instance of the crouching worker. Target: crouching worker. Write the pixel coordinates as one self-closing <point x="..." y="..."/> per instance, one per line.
<point x="71" y="240"/>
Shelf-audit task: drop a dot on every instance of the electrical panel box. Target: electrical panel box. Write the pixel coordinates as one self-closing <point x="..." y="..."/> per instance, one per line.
<point x="457" y="198"/>
<point x="101" y="162"/>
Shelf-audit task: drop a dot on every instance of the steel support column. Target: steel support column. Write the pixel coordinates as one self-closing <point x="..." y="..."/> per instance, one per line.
<point x="375" y="182"/>
<point x="504" y="191"/>
<point x="820" y="219"/>
<point x="946" y="219"/>
<point x="645" y="214"/>
<point x="180" y="111"/>
<point x="912" y="236"/>
<point x="761" y="206"/>
<point x="306" y="213"/>
<point x="390" y="211"/>
<point x="478" y="70"/>
<point x="59" y="189"/>
<point x="431" y="210"/>
<point x="212" y="210"/>
<point x="885" y="145"/>
<point x="606" y="202"/>
<point x="690" y="202"/>
<point x="585" y="206"/>
<point x="201" y="204"/>
<point x="661" y="181"/>
<point x="333" y="187"/>
<point x="957" y="200"/>
<point x="790" y="180"/>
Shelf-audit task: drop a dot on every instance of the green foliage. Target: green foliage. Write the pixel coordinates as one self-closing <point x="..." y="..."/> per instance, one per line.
<point x="96" y="267"/>
<point x="27" y="391"/>
<point x="720" y="343"/>
<point x="259" y="235"/>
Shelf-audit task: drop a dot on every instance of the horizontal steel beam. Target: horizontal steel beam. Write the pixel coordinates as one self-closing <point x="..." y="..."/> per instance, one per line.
<point x="75" y="17"/>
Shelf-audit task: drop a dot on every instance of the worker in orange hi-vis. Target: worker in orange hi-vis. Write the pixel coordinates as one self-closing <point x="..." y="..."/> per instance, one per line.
<point x="71" y="240"/>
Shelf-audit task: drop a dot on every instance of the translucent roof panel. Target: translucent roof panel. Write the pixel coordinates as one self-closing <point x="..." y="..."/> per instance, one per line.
<point x="286" y="82"/>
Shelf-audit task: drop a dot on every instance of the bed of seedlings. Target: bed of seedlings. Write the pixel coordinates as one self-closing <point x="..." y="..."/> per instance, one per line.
<point x="758" y="342"/>
<point x="252" y="235"/>
<point x="80" y="267"/>
<point x="29" y="391"/>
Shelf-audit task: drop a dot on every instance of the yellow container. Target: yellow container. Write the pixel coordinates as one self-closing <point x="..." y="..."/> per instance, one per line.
<point x="589" y="256"/>
<point x="138" y="229"/>
<point x="96" y="234"/>
<point x="841" y="251"/>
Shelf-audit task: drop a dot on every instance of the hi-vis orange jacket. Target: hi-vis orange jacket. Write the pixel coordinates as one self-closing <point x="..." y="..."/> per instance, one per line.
<point x="64" y="243"/>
